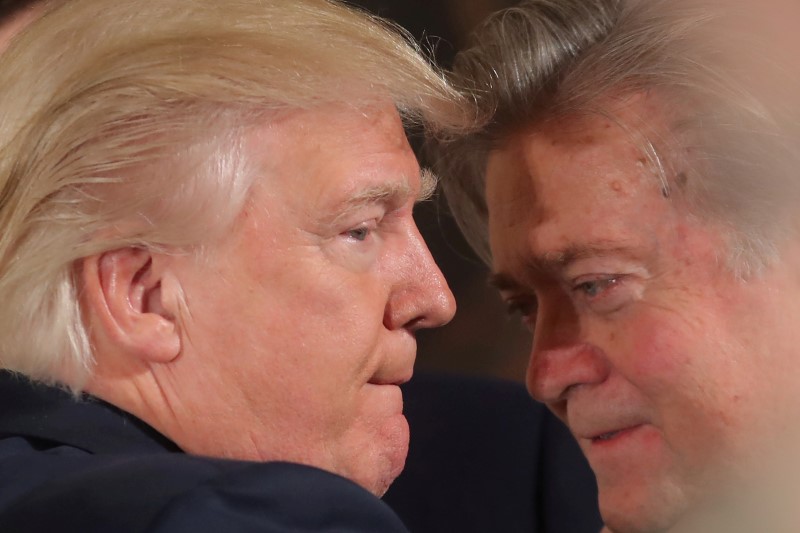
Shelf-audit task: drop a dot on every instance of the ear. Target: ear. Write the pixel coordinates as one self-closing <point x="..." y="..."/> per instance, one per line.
<point x="122" y="290"/>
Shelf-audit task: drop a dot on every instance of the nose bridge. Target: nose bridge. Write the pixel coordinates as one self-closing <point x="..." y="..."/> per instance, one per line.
<point x="557" y="322"/>
<point x="421" y="297"/>
<point x="560" y="358"/>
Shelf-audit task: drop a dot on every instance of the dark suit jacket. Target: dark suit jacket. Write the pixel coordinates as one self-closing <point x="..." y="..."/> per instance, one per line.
<point x="68" y="466"/>
<point x="484" y="457"/>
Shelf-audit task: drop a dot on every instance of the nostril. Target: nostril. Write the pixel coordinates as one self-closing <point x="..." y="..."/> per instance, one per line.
<point x="415" y="323"/>
<point x="405" y="314"/>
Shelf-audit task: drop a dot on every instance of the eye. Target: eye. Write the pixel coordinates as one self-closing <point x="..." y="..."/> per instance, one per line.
<point x="359" y="234"/>
<point x="596" y="287"/>
<point x="606" y="293"/>
<point x="524" y="306"/>
<point x="362" y="231"/>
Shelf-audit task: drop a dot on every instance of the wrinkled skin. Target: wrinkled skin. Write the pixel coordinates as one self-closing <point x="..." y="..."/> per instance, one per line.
<point x="300" y="325"/>
<point x="665" y="366"/>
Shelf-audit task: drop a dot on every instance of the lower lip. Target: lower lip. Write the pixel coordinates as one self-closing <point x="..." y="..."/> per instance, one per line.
<point x="634" y="450"/>
<point x="388" y="394"/>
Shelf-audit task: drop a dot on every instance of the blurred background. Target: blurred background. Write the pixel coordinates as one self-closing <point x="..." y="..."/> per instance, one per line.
<point x="482" y="339"/>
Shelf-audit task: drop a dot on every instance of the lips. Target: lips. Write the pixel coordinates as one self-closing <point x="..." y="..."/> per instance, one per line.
<point x="607" y="436"/>
<point x="394" y="377"/>
<point x="393" y="367"/>
<point x="597" y="419"/>
<point x="389" y="381"/>
<point x="595" y="425"/>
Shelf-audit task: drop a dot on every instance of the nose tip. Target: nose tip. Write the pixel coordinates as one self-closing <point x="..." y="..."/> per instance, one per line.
<point x="436" y="305"/>
<point x="553" y="372"/>
<point x="421" y="297"/>
<point x="444" y="302"/>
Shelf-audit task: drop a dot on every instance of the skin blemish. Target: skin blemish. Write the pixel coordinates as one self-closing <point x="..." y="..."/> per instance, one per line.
<point x="616" y="186"/>
<point x="681" y="179"/>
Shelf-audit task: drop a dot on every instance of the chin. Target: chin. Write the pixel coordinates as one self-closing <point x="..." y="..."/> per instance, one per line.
<point x="622" y="522"/>
<point x="385" y="457"/>
<point x="652" y="509"/>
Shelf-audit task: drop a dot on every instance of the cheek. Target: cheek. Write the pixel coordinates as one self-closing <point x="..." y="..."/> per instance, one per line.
<point x="341" y="331"/>
<point x="657" y="356"/>
<point x="683" y="367"/>
<point x="693" y="384"/>
<point x="312" y="302"/>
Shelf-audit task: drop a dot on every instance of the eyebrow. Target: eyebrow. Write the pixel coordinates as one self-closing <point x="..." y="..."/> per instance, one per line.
<point x="554" y="262"/>
<point x="428" y="183"/>
<point x="389" y="193"/>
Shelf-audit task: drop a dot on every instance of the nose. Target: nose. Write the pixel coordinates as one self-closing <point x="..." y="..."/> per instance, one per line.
<point x="421" y="297"/>
<point x="560" y="359"/>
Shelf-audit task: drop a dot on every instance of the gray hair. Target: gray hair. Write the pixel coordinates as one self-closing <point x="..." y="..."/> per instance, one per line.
<point x="549" y="59"/>
<point x="121" y="125"/>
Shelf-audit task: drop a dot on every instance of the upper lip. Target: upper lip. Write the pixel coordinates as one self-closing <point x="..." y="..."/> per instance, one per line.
<point x="598" y="425"/>
<point x="593" y="416"/>
<point x="388" y="381"/>
<point x="396" y="378"/>
<point x="598" y="434"/>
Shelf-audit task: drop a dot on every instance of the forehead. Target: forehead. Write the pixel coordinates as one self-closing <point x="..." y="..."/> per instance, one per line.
<point x="326" y="128"/>
<point x="584" y="178"/>
<point x="333" y="145"/>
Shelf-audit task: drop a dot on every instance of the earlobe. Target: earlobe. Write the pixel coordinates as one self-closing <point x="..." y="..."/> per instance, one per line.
<point x="124" y="298"/>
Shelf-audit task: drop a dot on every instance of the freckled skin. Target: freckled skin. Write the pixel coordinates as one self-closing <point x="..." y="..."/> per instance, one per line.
<point x="691" y="357"/>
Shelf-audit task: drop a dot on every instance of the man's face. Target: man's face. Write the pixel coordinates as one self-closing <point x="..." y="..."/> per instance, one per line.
<point x="302" y="324"/>
<point x="667" y="368"/>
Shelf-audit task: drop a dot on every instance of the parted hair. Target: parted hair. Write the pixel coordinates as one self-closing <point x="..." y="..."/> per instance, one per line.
<point x="121" y="125"/>
<point x="546" y="60"/>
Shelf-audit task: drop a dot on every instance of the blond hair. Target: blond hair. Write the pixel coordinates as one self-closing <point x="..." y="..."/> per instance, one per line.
<point x="549" y="59"/>
<point x="121" y="125"/>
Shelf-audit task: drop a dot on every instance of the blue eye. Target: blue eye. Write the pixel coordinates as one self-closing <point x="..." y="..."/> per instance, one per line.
<point x="359" y="234"/>
<point x="594" y="288"/>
